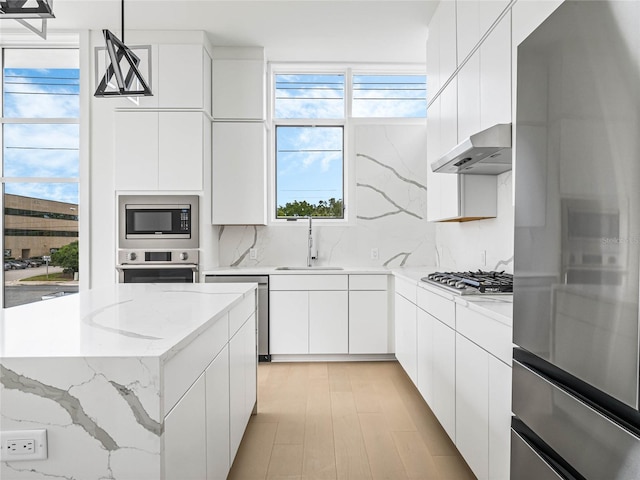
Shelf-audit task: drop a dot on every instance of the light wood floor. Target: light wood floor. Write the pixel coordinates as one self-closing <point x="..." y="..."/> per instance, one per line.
<point x="355" y="421"/>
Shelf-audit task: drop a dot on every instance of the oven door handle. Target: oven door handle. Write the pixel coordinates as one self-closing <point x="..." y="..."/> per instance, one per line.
<point x="192" y="266"/>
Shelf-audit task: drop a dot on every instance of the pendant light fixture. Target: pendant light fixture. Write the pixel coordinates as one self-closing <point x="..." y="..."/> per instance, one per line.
<point x="23" y="10"/>
<point x="123" y="68"/>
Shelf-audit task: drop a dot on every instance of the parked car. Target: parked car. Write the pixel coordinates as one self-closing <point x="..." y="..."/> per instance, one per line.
<point x="34" y="262"/>
<point x="7" y="266"/>
<point x="17" y="264"/>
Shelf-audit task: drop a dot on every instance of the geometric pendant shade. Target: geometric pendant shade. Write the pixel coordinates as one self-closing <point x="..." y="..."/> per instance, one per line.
<point x="23" y="10"/>
<point x="123" y="68"/>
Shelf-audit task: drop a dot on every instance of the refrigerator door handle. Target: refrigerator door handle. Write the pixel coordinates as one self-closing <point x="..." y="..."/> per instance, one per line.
<point x="529" y="463"/>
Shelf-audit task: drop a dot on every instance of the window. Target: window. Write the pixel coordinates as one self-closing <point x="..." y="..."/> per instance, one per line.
<point x="311" y="115"/>
<point x="389" y="96"/>
<point x="40" y="169"/>
<point x="309" y="126"/>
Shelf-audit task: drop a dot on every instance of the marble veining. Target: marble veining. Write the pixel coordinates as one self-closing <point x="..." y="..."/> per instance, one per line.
<point x="405" y="256"/>
<point x="14" y="381"/>
<point x="246" y="252"/>
<point x="139" y="412"/>
<point x="395" y="172"/>
<point x="388" y="199"/>
<point x="90" y="321"/>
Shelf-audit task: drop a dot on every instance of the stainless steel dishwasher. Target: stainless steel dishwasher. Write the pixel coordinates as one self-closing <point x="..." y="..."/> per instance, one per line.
<point x="263" y="306"/>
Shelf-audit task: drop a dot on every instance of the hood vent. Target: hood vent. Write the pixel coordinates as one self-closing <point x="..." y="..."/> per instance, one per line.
<point x="485" y="153"/>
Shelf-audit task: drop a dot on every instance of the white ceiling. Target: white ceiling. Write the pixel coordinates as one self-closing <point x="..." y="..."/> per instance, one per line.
<point x="307" y="30"/>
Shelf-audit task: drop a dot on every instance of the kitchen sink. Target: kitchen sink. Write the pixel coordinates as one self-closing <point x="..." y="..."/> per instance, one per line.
<point x="309" y="268"/>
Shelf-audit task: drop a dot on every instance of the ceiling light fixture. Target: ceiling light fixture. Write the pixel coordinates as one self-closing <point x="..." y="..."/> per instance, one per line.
<point x="123" y="67"/>
<point x="23" y="10"/>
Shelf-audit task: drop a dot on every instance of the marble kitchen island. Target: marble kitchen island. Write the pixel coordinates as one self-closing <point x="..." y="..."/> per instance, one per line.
<point x="136" y="381"/>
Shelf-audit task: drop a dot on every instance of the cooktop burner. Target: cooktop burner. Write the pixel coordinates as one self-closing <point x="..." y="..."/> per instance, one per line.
<point x="472" y="283"/>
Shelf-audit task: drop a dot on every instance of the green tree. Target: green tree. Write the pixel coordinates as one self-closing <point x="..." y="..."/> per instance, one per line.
<point x="331" y="208"/>
<point x="66" y="257"/>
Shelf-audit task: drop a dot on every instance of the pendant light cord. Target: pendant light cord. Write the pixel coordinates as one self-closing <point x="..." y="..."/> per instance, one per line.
<point x="122" y="18"/>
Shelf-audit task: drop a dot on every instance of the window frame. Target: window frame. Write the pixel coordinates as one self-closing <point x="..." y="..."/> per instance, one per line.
<point x="78" y="41"/>
<point x="348" y="123"/>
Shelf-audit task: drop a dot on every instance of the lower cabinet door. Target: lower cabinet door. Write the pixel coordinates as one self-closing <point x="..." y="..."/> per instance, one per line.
<point x="289" y="322"/>
<point x="444" y="377"/>
<point x="217" y="408"/>
<point x="424" y="372"/>
<point x="328" y="322"/>
<point x="185" y="436"/>
<point x="499" y="419"/>
<point x="368" y="322"/>
<point x="406" y="342"/>
<point x="472" y="405"/>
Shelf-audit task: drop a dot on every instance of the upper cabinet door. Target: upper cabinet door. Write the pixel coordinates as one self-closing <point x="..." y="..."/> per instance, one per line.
<point x="238" y="88"/>
<point x="448" y="40"/>
<point x="184" y="77"/>
<point x="136" y="150"/>
<point x="468" y="27"/>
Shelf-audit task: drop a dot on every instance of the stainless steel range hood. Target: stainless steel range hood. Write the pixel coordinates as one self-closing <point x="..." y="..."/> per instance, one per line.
<point x="485" y="153"/>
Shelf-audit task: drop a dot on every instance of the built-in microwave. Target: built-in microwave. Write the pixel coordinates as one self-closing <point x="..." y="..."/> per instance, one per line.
<point x="158" y="221"/>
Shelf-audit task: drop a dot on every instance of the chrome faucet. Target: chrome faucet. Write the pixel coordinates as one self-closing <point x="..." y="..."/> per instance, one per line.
<point x="310" y="244"/>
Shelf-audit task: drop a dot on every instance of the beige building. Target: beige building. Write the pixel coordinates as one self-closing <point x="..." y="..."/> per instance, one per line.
<point x="33" y="227"/>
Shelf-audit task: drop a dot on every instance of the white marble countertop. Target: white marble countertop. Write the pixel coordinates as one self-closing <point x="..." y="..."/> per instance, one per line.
<point x="125" y="320"/>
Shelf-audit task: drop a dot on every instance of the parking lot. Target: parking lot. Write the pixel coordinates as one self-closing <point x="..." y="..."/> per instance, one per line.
<point x="19" y="293"/>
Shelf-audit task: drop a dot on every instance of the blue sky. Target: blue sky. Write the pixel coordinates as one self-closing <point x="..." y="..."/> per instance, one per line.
<point x="37" y="150"/>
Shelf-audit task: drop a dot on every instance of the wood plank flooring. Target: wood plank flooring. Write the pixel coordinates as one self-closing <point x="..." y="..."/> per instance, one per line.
<point x="351" y="421"/>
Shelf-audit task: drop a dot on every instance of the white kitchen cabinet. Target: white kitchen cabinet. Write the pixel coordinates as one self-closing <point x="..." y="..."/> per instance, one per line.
<point x="238" y="83"/>
<point x="369" y="325"/>
<point x="469" y="97"/>
<point x="405" y="335"/>
<point x="424" y="353"/>
<point x="495" y="76"/>
<point x="242" y="380"/>
<point x="184" y="77"/>
<point x="447" y="40"/>
<point x="499" y="419"/>
<point x="180" y="78"/>
<point x="288" y="322"/>
<point x="328" y="322"/>
<point x="217" y="416"/>
<point x="444" y="375"/>
<point x="472" y="405"/>
<point x="160" y="150"/>
<point x="468" y="26"/>
<point x="308" y="314"/>
<point x="369" y="322"/>
<point x="239" y="183"/>
<point x="185" y="436"/>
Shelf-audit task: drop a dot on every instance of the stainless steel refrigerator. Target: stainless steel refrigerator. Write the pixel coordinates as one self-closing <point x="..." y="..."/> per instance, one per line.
<point x="577" y="242"/>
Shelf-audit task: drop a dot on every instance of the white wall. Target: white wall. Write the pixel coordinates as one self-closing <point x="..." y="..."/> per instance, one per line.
<point x="387" y="191"/>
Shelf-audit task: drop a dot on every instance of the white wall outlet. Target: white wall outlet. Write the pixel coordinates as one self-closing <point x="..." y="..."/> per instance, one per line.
<point x="483" y="258"/>
<point x="253" y="253"/>
<point x="374" y="254"/>
<point x="19" y="445"/>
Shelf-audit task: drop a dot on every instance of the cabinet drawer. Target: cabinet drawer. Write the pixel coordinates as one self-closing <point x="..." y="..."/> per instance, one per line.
<point x="308" y="282"/>
<point x="181" y="370"/>
<point x="241" y="312"/>
<point x="493" y="336"/>
<point x="406" y="288"/>
<point x="440" y="307"/>
<point x="368" y="282"/>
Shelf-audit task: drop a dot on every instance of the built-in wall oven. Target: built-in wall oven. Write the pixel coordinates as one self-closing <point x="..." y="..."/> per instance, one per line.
<point x="157" y="239"/>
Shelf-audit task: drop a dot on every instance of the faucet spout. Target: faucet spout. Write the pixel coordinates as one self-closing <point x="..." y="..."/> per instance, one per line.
<point x="309" y="243"/>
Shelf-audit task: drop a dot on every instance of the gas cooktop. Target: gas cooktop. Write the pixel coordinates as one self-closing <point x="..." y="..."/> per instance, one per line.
<point x="472" y="283"/>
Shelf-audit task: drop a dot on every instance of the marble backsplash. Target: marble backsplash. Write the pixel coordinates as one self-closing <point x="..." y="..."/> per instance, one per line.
<point x="387" y="169"/>
<point x="480" y="244"/>
<point x="388" y="190"/>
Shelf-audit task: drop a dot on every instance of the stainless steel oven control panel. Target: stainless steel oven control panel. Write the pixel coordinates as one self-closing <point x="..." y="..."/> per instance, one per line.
<point x="132" y="256"/>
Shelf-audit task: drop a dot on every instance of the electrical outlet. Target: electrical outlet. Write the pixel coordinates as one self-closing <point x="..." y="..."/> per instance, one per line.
<point x="374" y="254"/>
<point x="19" y="445"/>
<point x="483" y="258"/>
<point x="253" y="253"/>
